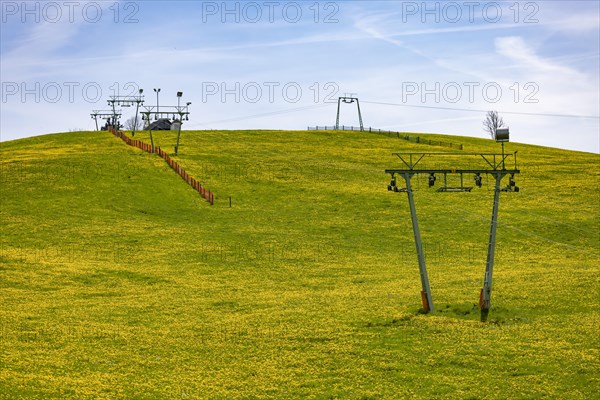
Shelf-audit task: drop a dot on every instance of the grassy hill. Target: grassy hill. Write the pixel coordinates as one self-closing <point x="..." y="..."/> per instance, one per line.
<point x="117" y="280"/>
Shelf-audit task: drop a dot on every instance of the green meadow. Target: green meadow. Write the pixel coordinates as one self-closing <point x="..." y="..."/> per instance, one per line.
<point x="118" y="281"/>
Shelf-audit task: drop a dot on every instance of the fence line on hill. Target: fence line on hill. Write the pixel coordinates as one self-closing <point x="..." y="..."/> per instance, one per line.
<point x="204" y="192"/>
<point x="399" y="135"/>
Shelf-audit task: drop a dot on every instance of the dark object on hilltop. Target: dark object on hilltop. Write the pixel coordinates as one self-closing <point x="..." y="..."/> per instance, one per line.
<point x="162" y="124"/>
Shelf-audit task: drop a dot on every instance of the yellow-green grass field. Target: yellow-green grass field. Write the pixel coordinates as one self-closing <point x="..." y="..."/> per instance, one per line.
<point x="118" y="281"/>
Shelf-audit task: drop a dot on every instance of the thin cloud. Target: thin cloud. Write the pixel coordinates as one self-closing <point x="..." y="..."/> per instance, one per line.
<point x="514" y="48"/>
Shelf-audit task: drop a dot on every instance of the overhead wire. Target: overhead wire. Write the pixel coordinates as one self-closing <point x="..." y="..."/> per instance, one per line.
<point x="480" y="111"/>
<point x="261" y="115"/>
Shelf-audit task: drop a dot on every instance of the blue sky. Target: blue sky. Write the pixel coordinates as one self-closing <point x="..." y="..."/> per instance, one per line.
<point x="280" y="64"/>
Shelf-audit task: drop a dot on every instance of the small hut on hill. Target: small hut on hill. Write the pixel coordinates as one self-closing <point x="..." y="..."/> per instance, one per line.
<point x="162" y="124"/>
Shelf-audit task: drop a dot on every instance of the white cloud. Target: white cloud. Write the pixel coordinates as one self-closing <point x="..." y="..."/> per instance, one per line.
<point x="514" y="48"/>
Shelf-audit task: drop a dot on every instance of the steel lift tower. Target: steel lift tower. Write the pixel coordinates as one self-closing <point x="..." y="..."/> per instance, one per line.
<point x="165" y="111"/>
<point x="127" y="101"/>
<point x="348" y="99"/>
<point x="496" y="167"/>
<point x="105" y="114"/>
